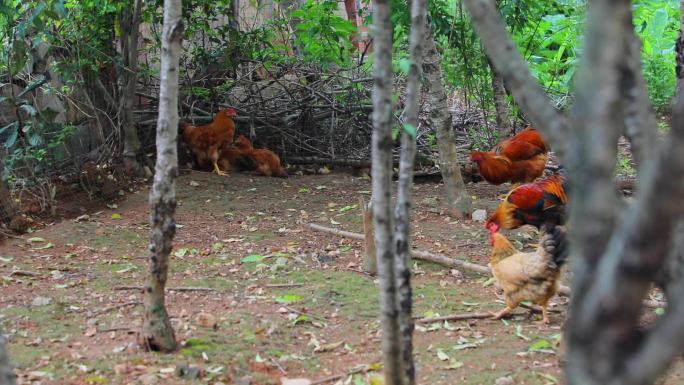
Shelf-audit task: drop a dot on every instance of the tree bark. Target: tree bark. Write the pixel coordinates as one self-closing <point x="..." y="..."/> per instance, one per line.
<point x="457" y="196"/>
<point x="640" y="120"/>
<point x="6" y="374"/>
<point x="130" y="32"/>
<point x="407" y="159"/>
<point x="370" y="261"/>
<point x="503" y="116"/>
<point x="7" y="207"/>
<point x="679" y="51"/>
<point x="382" y="191"/>
<point x="157" y="333"/>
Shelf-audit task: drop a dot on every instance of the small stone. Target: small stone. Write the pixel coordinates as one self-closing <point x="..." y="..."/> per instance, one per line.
<point x="294" y="381"/>
<point x="206" y="320"/>
<point x="41" y="301"/>
<point x="148" y="379"/>
<point x="193" y="183"/>
<point x="479" y="215"/>
<point x="503" y="381"/>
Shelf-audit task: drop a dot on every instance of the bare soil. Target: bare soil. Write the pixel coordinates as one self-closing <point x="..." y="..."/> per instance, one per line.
<point x="287" y="301"/>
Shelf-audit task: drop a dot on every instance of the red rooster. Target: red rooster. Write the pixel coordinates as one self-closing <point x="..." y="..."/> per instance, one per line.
<point x="267" y="162"/>
<point x="519" y="159"/>
<point x="206" y="141"/>
<point x="533" y="204"/>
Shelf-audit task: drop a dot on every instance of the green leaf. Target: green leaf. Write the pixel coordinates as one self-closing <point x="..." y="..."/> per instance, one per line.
<point x="288" y="298"/>
<point x="541" y="344"/>
<point x="253" y="258"/>
<point x="347" y="208"/>
<point x="36" y="239"/>
<point x="404" y="65"/>
<point x="345" y="248"/>
<point x="410" y="130"/>
<point x="660" y="311"/>
<point x="217" y="246"/>
<point x="442" y="356"/>
<point x="181" y="252"/>
<point x="116" y="216"/>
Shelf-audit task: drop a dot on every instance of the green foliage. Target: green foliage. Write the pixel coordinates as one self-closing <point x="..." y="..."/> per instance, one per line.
<point x="323" y="37"/>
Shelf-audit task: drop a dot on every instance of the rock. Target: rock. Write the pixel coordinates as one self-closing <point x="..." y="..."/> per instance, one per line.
<point x="188" y="372"/>
<point x="504" y="381"/>
<point x="246" y="380"/>
<point x="193" y="183"/>
<point x="479" y="215"/>
<point x="206" y="320"/>
<point x="148" y="379"/>
<point x="294" y="381"/>
<point x="41" y="301"/>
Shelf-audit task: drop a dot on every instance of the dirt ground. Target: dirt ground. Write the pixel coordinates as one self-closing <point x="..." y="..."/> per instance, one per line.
<point x="279" y="300"/>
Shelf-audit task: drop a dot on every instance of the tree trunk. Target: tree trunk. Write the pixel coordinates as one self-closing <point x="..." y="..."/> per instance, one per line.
<point x="6" y="374"/>
<point x="679" y="51"/>
<point x="503" y="116"/>
<point x="157" y="333"/>
<point x="457" y="196"/>
<point x="370" y="261"/>
<point x="7" y="207"/>
<point x="382" y="191"/>
<point x="130" y="32"/>
<point x="403" y="210"/>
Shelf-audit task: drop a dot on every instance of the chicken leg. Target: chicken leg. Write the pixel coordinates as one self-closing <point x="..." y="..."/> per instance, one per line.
<point x="503" y="312"/>
<point x="218" y="171"/>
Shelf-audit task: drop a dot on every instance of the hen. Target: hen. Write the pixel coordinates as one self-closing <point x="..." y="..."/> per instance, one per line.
<point x="533" y="204"/>
<point x="528" y="276"/>
<point x="232" y="158"/>
<point x="206" y="141"/>
<point x="519" y="159"/>
<point x="267" y="162"/>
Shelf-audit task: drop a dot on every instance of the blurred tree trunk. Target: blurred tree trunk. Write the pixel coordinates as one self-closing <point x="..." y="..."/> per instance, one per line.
<point x="457" y="196"/>
<point x="7" y="207"/>
<point x="382" y="192"/>
<point x="618" y="249"/>
<point x="157" y="333"/>
<point x="679" y="50"/>
<point x="6" y="374"/>
<point x="130" y="32"/>
<point x="503" y="115"/>
<point x="407" y="160"/>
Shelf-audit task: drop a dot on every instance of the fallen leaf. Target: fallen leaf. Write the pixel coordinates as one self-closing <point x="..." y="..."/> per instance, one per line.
<point x="294" y="381"/>
<point x="328" y="347"/>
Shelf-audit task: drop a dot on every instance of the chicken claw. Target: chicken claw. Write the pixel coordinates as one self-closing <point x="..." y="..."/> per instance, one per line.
<point x="218" y="171"/>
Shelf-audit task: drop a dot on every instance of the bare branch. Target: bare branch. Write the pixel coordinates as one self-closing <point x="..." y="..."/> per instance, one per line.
<point x="525" y="89"/>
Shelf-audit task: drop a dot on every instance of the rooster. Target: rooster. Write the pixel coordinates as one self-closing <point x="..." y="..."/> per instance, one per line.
<point x="267" y="162"/>
<point x="519" y="159"/>
<point x="533" y="204"/>
<point x="528" y="276"/>
<point x="206" y="141"/>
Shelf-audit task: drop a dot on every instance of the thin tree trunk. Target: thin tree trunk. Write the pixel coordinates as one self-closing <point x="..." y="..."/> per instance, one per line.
<point x="457" y="196"/>
<point x="130" y="32"/>
<point x="503" y="115"/>
<point x="370" y="259"/>
<point x="7" y="207"/>
<point x="640" y="120"/>
<point x="6" y="374"/>
<point x="157" y="333"/>
<point x="679" y="50"/>
<point x="382" y="191"/>
<point x="403" y="210"/>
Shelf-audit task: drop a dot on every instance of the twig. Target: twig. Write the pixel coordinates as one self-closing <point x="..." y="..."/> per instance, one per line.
<point x="335" y="377"/>
<point x="115" y="329"/>
<point x="24" y="273"/>
<point x="279" y="285"/>
<point x="118" y="306"/>
<point x="453" y="317"/>
<point x="168" y="288"/>
<point x="304" y="313"/>
<point x="277" y="364"/>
